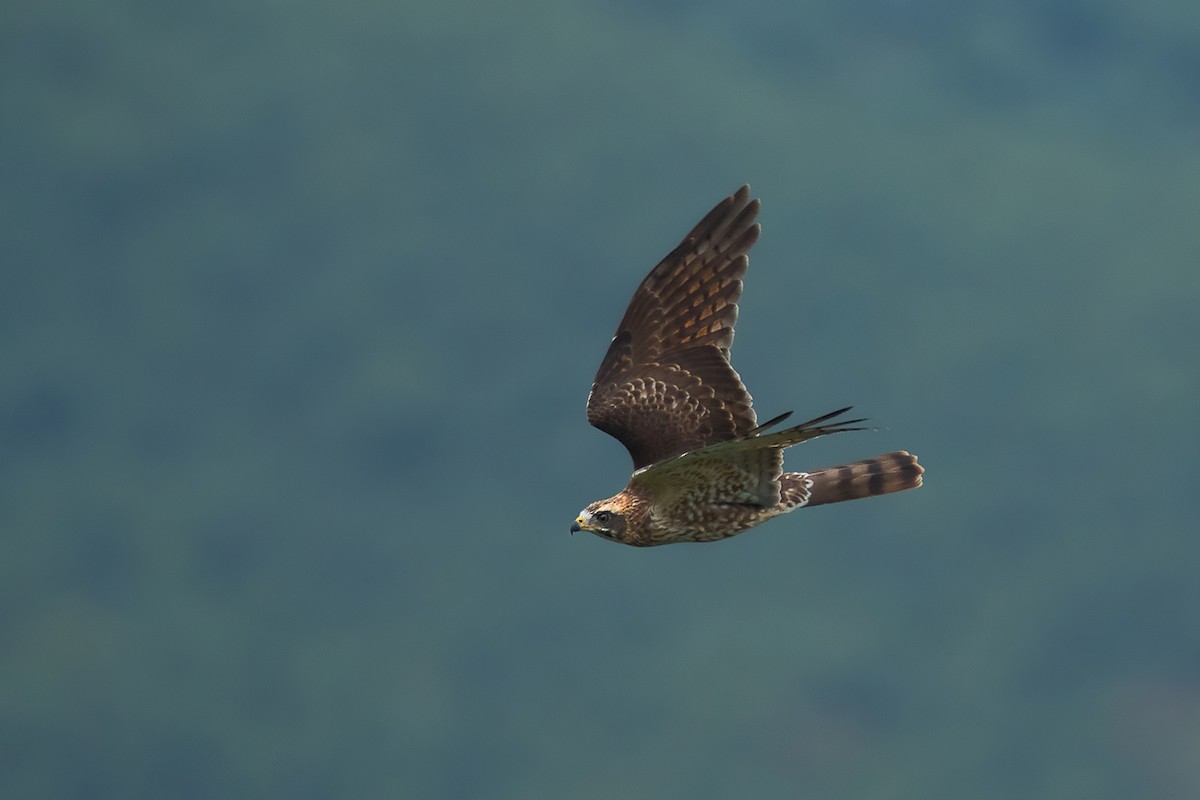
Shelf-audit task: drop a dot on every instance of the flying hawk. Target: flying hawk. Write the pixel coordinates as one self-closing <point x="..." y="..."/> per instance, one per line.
<point x="704" y="468"/>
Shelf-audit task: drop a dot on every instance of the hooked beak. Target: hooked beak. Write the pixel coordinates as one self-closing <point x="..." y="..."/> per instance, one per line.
<point x="575" y="526"/>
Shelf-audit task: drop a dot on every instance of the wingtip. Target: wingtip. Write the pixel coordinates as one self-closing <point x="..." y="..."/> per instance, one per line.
<point x="742" y="198"/>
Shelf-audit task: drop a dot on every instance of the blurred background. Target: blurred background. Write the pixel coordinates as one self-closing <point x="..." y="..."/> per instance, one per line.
<point x="300" y="306"/>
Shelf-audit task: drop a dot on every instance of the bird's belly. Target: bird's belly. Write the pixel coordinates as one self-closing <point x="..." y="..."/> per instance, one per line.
<point x="713" y="521"/>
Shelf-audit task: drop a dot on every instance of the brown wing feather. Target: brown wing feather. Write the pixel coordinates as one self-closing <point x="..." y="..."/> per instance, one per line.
<point x="703" y="478"/>
<point x="665" y="385"/>
<point x="743" y="471"/>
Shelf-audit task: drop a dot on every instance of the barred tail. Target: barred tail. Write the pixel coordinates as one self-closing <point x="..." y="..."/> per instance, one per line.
<point x="893" y="472"/>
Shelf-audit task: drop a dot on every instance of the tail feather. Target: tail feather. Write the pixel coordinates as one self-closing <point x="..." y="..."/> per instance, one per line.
<point x="892" y="472"/>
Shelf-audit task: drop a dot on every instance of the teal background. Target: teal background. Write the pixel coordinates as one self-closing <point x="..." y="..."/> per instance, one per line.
<point x="300" y="304"/>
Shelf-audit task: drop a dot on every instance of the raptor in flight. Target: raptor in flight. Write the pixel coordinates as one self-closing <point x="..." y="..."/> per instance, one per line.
<point x="704" y="468"/>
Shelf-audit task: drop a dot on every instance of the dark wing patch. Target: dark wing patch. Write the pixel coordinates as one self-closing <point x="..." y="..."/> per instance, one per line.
<point x="665" y="385"/>
<point x="683" y="403"/>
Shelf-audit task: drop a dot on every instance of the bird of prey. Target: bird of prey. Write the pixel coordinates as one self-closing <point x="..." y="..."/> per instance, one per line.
<point x="704" y="468"/>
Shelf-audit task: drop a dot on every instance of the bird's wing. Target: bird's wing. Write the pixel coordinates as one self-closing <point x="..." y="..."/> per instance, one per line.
<point x="665" y="386"/>
<point x="743" y="471"/>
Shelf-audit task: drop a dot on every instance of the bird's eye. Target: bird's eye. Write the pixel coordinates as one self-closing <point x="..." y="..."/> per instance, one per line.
<point x="603" y="516"/>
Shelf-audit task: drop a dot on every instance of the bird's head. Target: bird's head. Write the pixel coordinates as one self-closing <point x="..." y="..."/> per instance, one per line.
<point x="608" y="519"/>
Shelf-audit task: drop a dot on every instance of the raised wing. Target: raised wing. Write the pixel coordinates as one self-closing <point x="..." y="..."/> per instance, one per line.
<point x="666" y="387"/>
